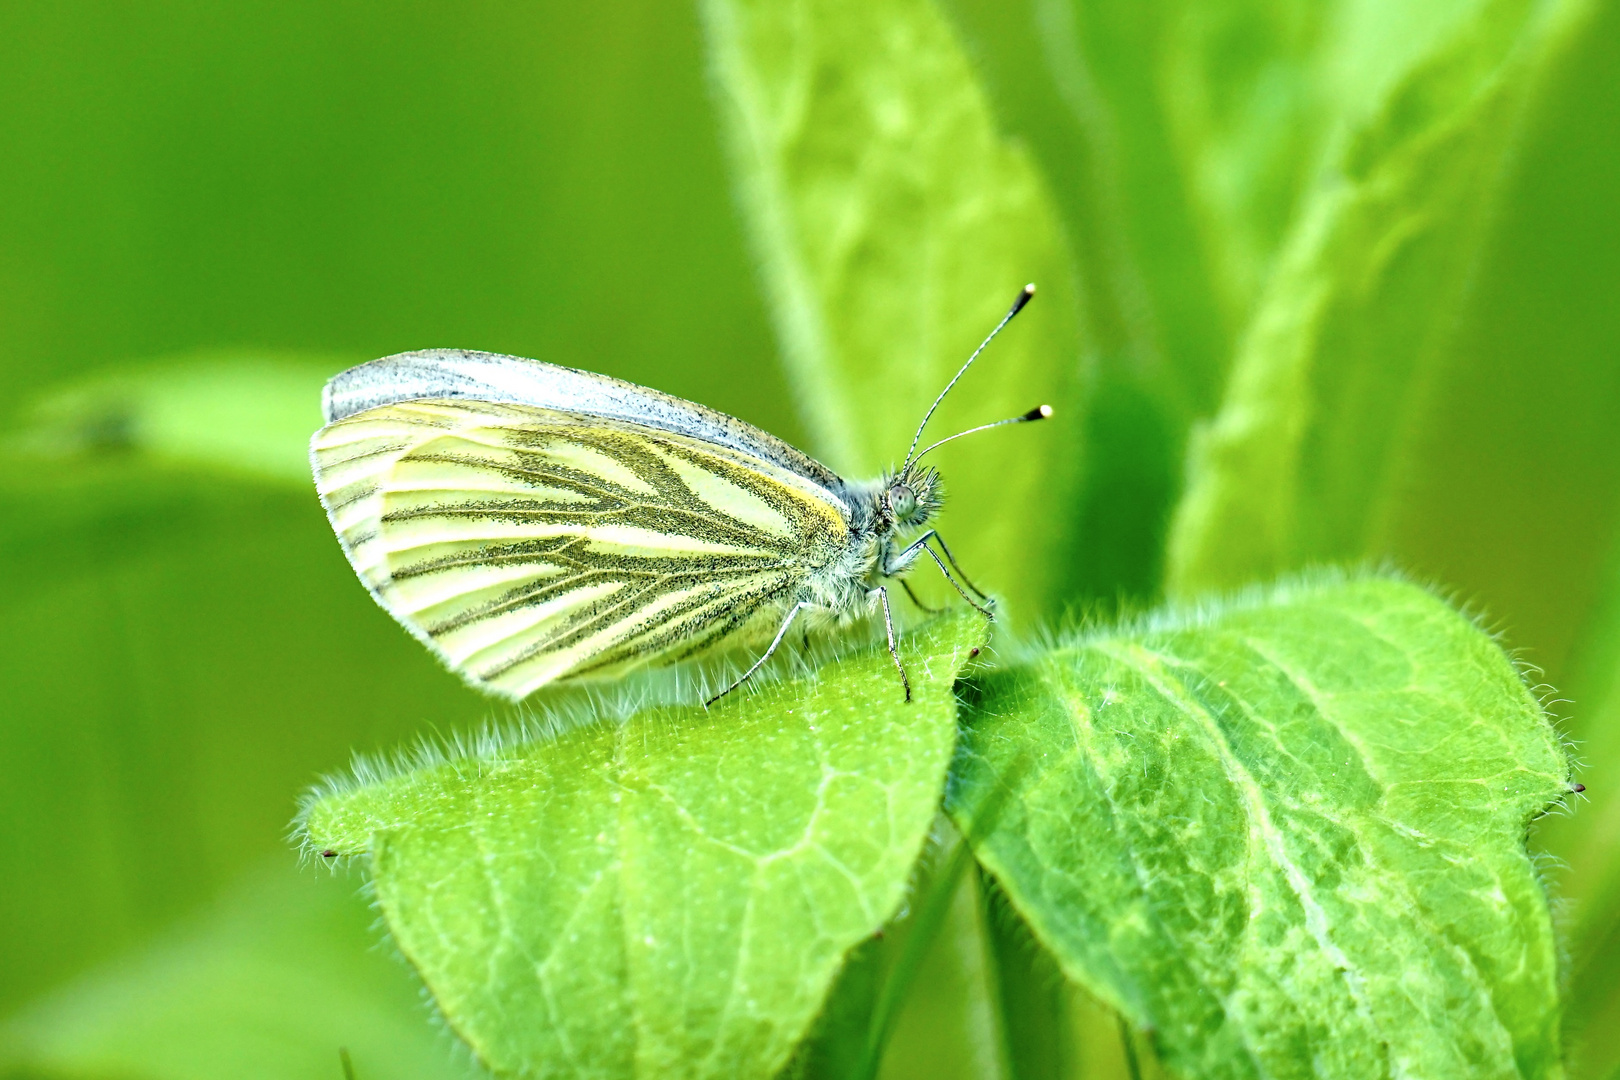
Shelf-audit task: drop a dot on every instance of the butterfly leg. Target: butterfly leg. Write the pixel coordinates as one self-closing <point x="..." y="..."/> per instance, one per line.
<point x="921" y="545"/>
<point x="888" y="625"/>
<point x="952" y="560"/>
<point x="924" y="608"/>
<point x="793" y="613"/>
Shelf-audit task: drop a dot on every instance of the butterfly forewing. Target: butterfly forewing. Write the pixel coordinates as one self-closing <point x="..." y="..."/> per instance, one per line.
<point x="527" y="544"/>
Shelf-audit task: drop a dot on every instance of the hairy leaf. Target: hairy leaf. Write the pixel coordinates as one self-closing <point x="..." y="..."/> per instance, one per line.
<point x="1427" y="325"/>
<point x="271" y="986"/>
<point x="1285" y="836"/>
<point x="671" y="896"/>
<point x="894" y="226"/>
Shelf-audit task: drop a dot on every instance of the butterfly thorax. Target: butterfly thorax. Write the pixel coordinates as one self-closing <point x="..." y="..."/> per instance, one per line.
<point x="882" y="513"/>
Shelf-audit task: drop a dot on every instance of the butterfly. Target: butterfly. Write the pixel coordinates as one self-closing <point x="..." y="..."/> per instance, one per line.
<point x="530" y="523"/>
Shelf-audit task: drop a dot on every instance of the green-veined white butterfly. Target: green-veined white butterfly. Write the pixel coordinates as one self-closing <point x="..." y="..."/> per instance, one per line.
<point x="530" y="523"/>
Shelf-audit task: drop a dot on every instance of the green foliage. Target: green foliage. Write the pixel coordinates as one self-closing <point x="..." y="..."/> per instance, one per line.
<point x="1344" y="271"/>
<point x="234" y="413"/>
<point x="184" y="650"/>
<point x="1361" y="420"/>
<point x="1284" y="835"/>
<point x="671" y="895"/>
<point x="272" y="985"/>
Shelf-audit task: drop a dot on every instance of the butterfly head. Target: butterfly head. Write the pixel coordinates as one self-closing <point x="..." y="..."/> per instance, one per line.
<point x="913" y="496"/>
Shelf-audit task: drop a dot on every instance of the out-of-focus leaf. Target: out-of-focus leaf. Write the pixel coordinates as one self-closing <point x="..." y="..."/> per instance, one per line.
<point x="1432" y="320"/>
<point x="1285" y="836"/>
<point x="1239" y="101"/>
<point x="180" y="655"/>
<point x="535" y="179"/>
<point x="268" y="987"/>
<point x="948" y="1022"/>
<point x="671" y="896"/>
<point x="1077" y="84"/>
<point x="1032" y="997"/>
<point x="181" y="652"/>
<point x="243" y="414"/>
<point x="1179" y="139"/>
<point x="915" y="1000"/>
<point x="1154" y="331"/>
<point x="1195" y="129"/>
<point x="894" y="226"/>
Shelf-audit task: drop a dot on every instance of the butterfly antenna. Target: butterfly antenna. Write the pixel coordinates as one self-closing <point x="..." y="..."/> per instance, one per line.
<point x="1018" y="305"/>
<point x="1040" y="412"/>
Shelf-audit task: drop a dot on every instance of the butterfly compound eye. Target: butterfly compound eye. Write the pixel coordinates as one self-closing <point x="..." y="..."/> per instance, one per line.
<point x="903" y="501"/>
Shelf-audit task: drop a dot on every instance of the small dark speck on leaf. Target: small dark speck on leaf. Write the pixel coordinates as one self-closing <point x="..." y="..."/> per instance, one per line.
<point x="328" y="854"/>
<point x="973" y="652"/>
<point x="1580" y="787"/>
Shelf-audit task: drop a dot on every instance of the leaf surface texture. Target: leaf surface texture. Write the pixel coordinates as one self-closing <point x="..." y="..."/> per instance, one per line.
<point x="1285" y="836"/>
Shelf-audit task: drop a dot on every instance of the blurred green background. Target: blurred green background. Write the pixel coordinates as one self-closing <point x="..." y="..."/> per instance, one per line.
<point x="221" y="205"/>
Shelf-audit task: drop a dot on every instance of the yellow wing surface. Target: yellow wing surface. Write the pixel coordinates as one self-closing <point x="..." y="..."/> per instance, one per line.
<point x="525" y="544"/>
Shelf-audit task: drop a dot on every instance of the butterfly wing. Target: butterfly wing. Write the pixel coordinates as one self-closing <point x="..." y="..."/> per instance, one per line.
<point x="525" y="544"/>
<point x="444" y="374"/>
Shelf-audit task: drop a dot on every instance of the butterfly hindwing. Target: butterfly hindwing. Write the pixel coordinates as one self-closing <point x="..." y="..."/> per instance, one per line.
<point x="526" y="545"/>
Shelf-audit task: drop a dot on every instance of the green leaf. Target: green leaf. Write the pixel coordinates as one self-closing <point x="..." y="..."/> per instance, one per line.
<point x="943" y="1022"/>
<point x="1220" y="115"/>
<point x="1433" y="317"/>
<point x="245" y="414"/>
<point x="1285" y="836"/>
<point x="1081" y="84"/>
<point x="1033" y="998"/>
<point x="202" y="181"/>
<point x="1078" y="87"/>
<point x="1179" y="138"/>
<point x="181" y="653"/>
<point x="673" y="895"/>
<point x="270" y="985"/>
<point x="893" y="227"/>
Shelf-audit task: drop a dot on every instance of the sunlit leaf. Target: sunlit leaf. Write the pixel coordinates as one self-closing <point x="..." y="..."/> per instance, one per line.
<point x="894" y="227"/>
<point x="1284" y="837"/>
<point x="671" y="896"/>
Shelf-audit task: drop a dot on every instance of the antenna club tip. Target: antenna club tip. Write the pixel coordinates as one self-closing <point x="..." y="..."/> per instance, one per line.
<point x="1018" y="305"/>
<point x="1040" y="412"/>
